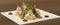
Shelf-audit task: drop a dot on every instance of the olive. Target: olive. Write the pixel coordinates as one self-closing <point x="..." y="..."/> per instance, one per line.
<point x="10" y="13"/>
<point x="46" y="16"/>
<point x="25" y="20"/>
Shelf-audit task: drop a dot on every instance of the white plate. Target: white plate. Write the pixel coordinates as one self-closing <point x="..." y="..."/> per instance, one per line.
<point x="19" y="21"/>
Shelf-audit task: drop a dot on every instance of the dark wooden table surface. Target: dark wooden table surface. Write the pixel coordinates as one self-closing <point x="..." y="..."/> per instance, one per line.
<point x="52" y="6"/>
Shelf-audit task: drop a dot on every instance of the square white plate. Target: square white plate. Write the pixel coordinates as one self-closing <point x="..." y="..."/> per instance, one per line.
<point x="19" y="21"/>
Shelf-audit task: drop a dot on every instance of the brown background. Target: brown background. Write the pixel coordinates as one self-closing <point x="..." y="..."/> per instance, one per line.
<point x="52" y="6"/>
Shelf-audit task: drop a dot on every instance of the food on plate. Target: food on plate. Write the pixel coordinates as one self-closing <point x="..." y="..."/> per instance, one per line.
<point x="36" y="12"/>
<point x="29" y="16"/>
<point x="18" y="11"/>
<point x="27" y="12"/>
